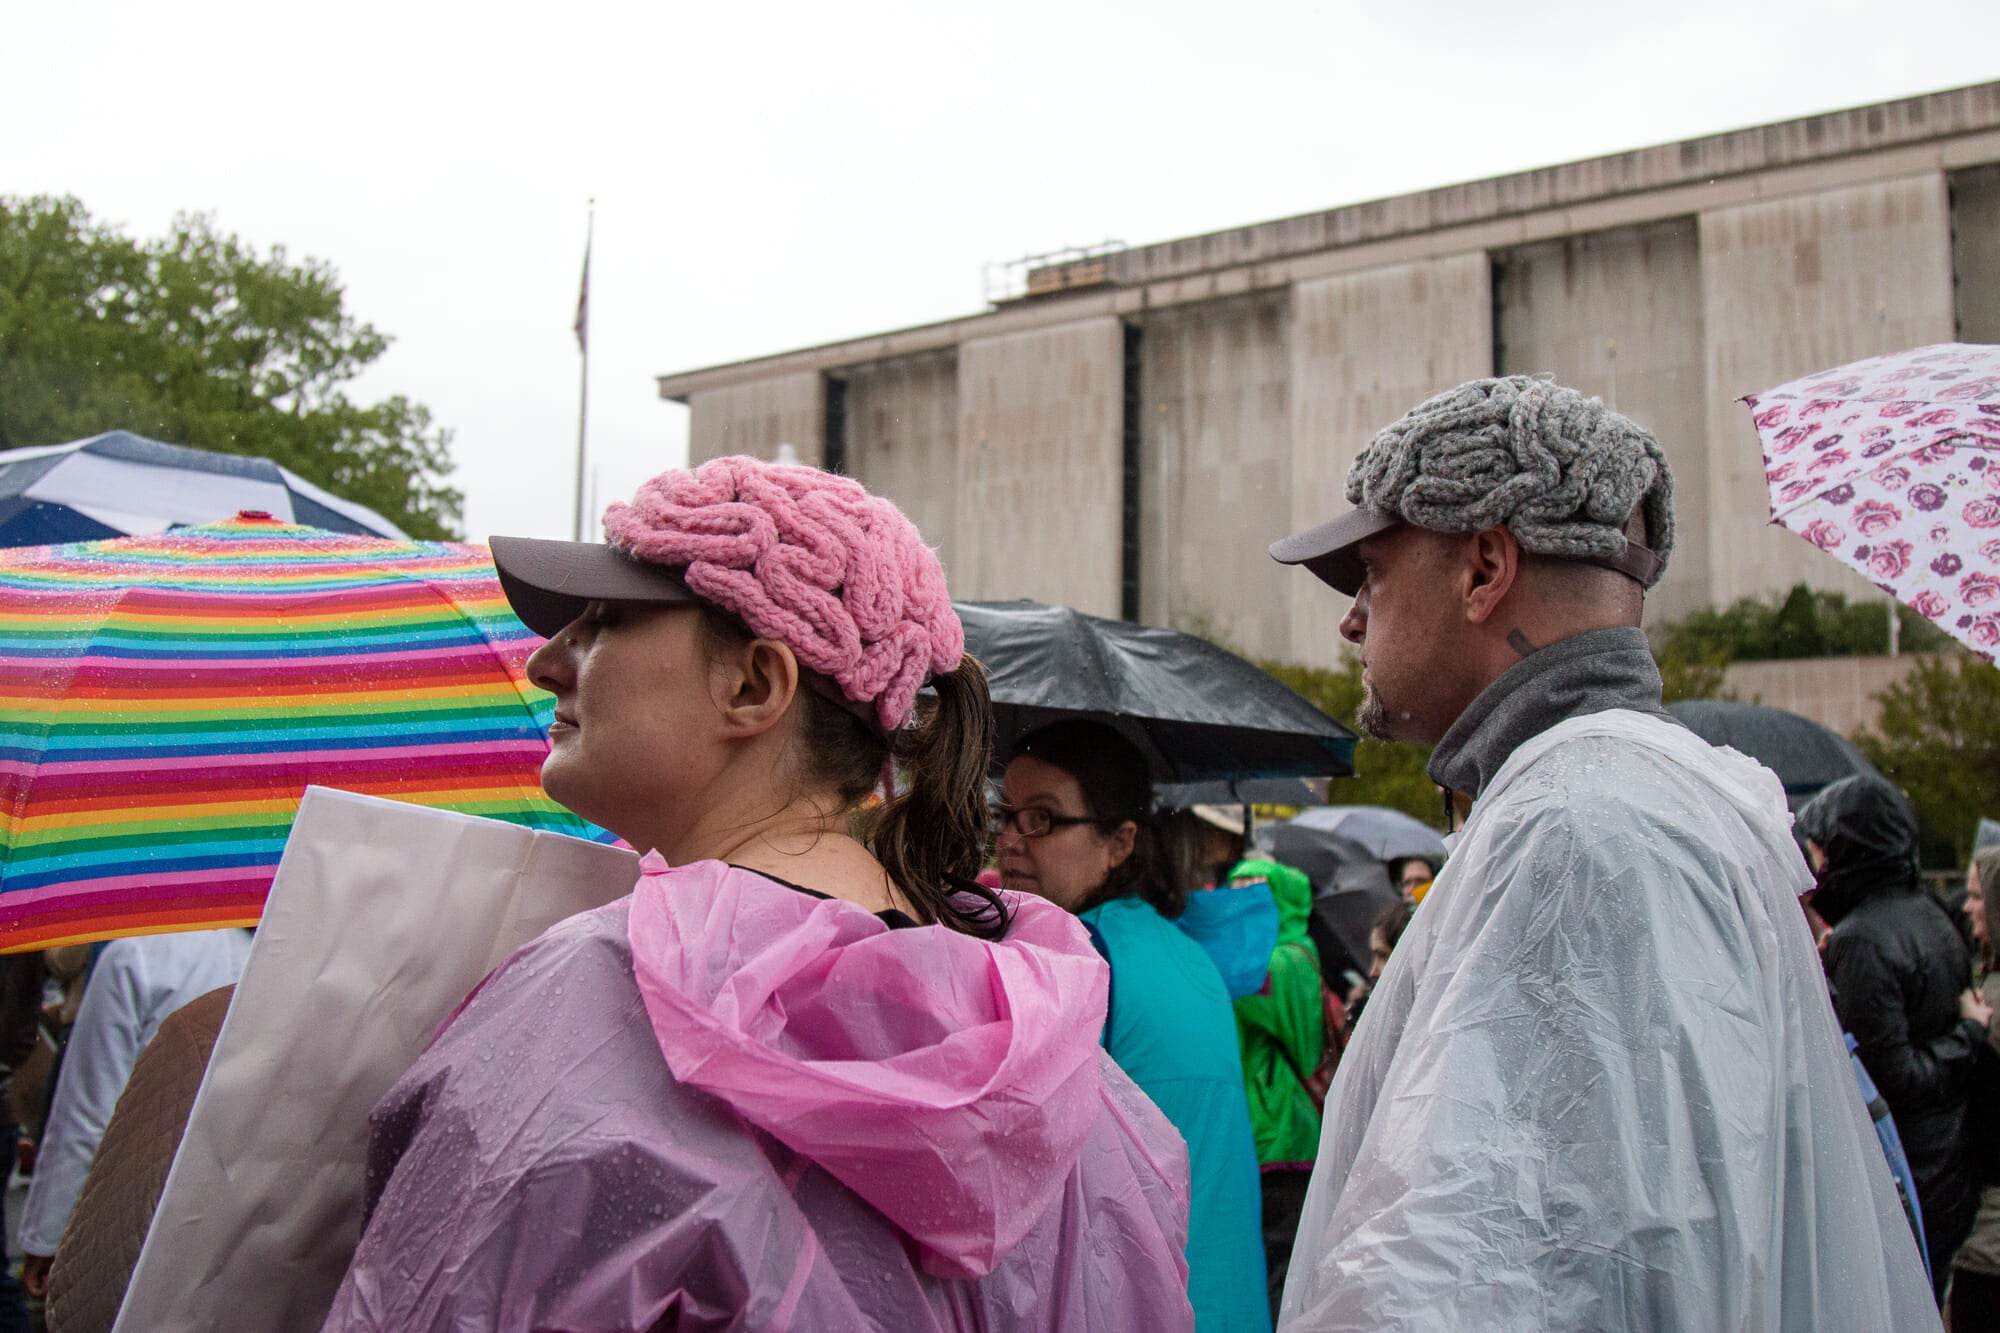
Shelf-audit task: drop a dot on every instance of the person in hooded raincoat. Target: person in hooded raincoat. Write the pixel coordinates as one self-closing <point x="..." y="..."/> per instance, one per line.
<point x="802" y="1077"/>
<point x="1898" y="967"/>
<point x="1074" y="829"/>
<point x="1598" y="1085"/>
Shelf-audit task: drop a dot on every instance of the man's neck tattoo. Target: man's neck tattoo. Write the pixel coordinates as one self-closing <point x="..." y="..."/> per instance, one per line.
<point x="1519" y="643"/>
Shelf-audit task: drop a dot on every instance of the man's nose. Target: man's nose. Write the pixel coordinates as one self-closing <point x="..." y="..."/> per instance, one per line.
<point x="1354" y="625"/>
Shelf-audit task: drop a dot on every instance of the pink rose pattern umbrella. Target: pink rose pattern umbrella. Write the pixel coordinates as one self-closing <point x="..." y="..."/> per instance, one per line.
<point x="1892" y="466"/>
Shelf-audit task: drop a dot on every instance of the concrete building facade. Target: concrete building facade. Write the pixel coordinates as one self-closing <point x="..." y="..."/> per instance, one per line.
<point x="1127" y="437"/>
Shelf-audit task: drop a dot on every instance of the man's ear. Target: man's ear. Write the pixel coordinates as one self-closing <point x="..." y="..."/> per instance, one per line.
<point x="1493" y="562"/>
<point x="755" y="686"/>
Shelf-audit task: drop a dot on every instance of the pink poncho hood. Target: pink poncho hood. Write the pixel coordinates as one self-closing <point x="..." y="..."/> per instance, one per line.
<point x="948" y="1081"/>
<point x="723" y="1104"/>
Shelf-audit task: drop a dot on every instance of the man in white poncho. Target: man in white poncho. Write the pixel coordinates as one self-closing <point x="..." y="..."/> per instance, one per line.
<point x="1599" y="1085"/>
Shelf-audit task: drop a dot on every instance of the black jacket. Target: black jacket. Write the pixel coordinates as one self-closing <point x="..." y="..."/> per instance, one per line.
<point x="1898" y="964"/>
<point x="21" y="977"/>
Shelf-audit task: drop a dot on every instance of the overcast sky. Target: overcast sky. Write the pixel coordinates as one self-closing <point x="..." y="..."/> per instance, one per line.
<point x="773" y="175"/>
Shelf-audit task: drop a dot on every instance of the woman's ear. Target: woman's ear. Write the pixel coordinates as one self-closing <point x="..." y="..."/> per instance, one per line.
<point x="1122" y="841"/>
<point x="755" y="686"/>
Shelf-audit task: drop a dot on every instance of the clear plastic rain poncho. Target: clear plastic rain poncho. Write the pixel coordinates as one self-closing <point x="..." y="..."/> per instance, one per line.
<point x="723" y="1104"/>
<point x="1600" y="1084"/>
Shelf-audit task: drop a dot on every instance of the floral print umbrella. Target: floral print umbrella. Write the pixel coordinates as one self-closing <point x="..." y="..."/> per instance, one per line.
<point x="1892" y="466"/>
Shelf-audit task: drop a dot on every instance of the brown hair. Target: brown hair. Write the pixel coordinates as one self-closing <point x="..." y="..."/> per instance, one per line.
<point x="1392" y="921"/>
<point x="1117" y="785"/>
<point x="1986" y="864"/>
<point x="930" y="836"/>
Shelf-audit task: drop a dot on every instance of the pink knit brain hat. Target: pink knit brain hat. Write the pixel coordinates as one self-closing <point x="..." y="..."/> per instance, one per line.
<point x="809" y="559"/>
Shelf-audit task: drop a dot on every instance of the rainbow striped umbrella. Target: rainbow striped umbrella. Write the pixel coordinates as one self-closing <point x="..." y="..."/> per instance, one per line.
<point x="165" y="701"/>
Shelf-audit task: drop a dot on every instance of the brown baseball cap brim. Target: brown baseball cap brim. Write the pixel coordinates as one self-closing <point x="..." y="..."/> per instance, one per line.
<point x="549" y="583"/>
<point x="1328" y="551"/>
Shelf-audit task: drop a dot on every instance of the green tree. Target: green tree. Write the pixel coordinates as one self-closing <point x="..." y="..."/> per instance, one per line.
<point x="1384" y="773"/>
<point x="1801" y="623"/>
<point x="1692" y="677"/>
<point x="1939" y="740"/>
<point x="196" y="339"/>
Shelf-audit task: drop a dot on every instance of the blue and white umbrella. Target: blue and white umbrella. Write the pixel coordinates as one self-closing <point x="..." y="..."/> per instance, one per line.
<point x="123" y="485"/>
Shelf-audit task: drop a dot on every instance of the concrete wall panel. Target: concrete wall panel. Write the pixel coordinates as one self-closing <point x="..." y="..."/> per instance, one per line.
<point x="1975" y="253"/>
<point x="755" y="418"/>
<point x="1365" y="348"/>
<point x="1617" y="314"/>
<point x="1836" y="692"/>
<point x="1215" y="472"/>
<point x="902" y="441"/>
<point x="1040" y="466"/>
<point x="1789" y="287"/>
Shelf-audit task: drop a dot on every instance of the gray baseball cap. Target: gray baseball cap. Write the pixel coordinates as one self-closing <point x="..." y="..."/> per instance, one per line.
<point x="549" y="583"/>
<point x="1561" y="471"/>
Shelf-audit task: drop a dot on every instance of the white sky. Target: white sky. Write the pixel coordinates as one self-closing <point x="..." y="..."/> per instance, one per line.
<point x="776" y="174"/>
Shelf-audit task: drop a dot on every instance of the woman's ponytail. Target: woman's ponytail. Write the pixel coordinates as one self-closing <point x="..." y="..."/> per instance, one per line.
<point x="931" y="837"/>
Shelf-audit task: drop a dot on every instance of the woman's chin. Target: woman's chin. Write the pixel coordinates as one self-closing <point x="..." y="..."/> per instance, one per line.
<point x="560" y="783"/>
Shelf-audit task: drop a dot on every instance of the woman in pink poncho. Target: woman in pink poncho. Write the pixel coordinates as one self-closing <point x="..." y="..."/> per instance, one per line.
<point x="807" y="1075"/>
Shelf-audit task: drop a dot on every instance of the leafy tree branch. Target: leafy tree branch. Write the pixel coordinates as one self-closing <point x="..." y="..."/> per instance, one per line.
<point x="195" y="338"/>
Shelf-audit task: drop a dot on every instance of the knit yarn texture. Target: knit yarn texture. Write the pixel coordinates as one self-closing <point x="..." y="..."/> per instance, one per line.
<point x="811" y="560"/>
<point x="1563" y="472"/>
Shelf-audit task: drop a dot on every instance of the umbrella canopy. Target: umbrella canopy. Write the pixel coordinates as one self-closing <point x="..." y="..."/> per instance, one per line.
<point x="165" y="701"/>
<point x="1387" y="834"/>
<point x="1805" y="755"/>
<point x="1197" y="712"/>
<point x="119" y="484"/>
<point x="1243" y="791"/>
<point x="1320" y="853"/>
<point x="1350" y="911"/>
<point x="1892" y="466"/>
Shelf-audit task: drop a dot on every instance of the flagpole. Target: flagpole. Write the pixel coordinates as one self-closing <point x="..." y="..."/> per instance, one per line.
<point x="583" y="395"/>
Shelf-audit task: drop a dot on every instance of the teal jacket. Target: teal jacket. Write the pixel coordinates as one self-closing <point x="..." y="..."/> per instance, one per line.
<point x="1172" y="1030"/>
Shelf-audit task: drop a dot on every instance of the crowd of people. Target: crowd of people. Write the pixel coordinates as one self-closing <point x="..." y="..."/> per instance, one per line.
<point x="823" y="1068"/>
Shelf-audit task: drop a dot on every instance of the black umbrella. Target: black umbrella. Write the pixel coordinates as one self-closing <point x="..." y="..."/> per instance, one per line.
<point x="1321" y="853"/>
<point x="1351" y="913"/>
<point x="1243" y="791"/>
<point x="1805" y="755"/>
<point x="1196" y="711"/>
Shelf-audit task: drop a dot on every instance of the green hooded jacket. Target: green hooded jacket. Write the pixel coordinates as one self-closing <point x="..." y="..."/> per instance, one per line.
<point x="1282" y="1028"/>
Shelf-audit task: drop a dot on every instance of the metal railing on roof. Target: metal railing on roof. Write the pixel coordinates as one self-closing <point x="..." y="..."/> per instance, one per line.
<point x="1072" y="268"/>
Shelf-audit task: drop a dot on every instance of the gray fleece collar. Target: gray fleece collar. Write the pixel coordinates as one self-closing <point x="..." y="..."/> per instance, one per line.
<point x="1592" y="672"/>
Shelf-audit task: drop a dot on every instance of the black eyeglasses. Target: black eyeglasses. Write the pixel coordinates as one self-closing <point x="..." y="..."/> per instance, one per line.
<point x="1033" y="821"/>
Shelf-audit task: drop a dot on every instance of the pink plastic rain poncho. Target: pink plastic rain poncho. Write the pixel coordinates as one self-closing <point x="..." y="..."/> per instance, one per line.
<point x="792" y="1116"/>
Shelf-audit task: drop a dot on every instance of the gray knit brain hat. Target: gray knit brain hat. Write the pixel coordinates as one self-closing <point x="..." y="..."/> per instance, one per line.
<point x="1563" y="472"/>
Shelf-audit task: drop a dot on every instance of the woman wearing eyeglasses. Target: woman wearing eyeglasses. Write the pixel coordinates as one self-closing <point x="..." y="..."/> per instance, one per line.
<point x="1074" y="827"/>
